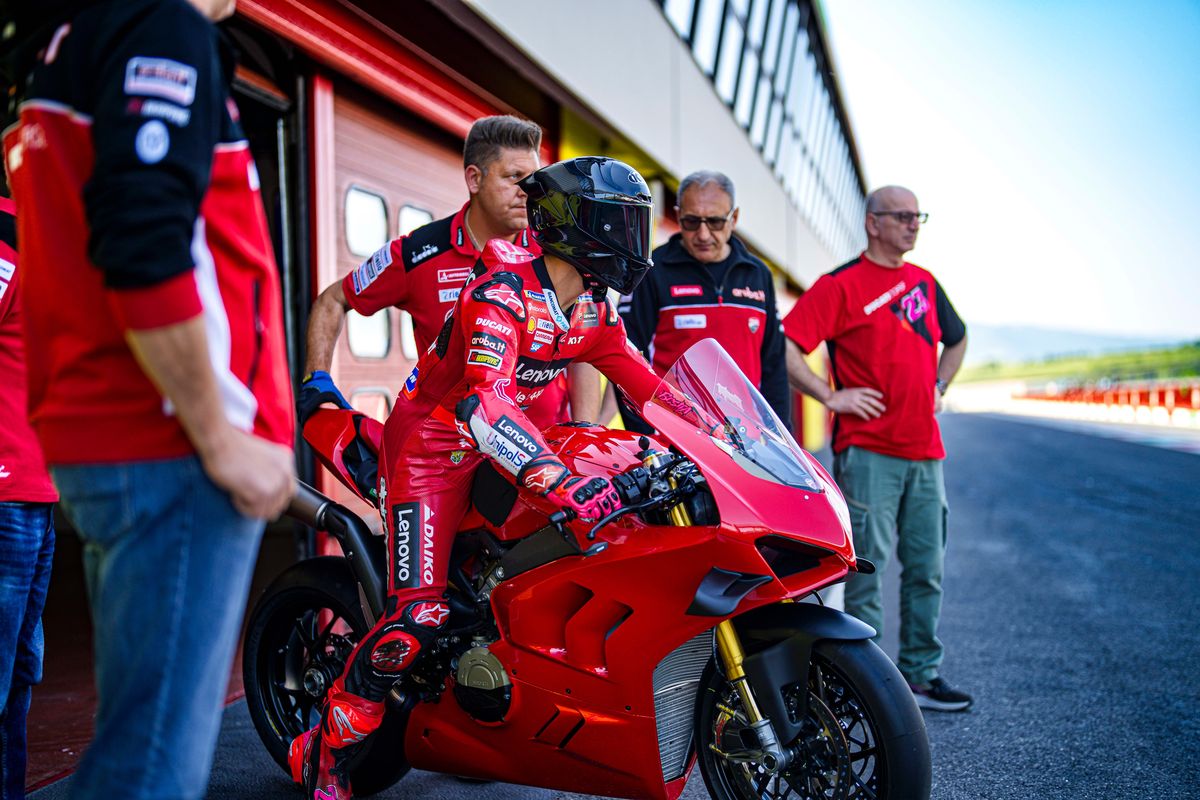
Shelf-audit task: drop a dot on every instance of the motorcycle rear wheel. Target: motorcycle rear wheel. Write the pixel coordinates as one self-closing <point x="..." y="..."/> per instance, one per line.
<point x="297" y="641"/>
<point x="863" y="736"/>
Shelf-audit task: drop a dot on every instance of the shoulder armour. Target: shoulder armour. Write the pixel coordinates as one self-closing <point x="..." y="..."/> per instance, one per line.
<point x="504" y="290"/>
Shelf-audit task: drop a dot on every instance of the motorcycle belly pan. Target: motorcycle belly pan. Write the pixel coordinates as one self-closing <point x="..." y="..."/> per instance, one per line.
<point x="547" y="740"/>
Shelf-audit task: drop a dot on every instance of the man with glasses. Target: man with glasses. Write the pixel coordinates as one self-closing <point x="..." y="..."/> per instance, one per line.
<point x="707" y="284"/>
<point x="883" y="319"/>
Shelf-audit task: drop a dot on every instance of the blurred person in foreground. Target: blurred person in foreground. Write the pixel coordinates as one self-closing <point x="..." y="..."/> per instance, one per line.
<point x="158" y="384"/>
<point x="423" y="272"/>
<point x="707" y="284"/>
<point x="883" y="319"/>
<point x="26" y="527"/>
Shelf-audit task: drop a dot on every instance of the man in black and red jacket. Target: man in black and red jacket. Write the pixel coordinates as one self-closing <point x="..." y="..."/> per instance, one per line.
<point x="708" y="285"/>
<point x="158" y="385"/>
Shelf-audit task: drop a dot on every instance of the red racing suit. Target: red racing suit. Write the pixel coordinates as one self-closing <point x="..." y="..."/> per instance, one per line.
<point x="507" y="339"/>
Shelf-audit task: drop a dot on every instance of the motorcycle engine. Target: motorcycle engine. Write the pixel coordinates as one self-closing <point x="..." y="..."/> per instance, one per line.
<point x="482" y="687"/>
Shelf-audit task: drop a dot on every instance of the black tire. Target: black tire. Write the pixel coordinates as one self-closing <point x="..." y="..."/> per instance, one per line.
<point x="305" y="625"/>
<point x="863" y="737"/>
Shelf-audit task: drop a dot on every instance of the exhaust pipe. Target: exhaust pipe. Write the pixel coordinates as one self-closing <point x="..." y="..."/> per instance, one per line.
<point x="318" y="511"/>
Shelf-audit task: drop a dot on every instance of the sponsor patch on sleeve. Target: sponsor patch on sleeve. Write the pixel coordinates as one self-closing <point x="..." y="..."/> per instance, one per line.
<point x="488" y="342"/>
<point x="448" y="295"/>
<point x="485" y="358"/>
<point x="161" y="77"/>
<point x="454" y="275"/>
<point x="7" y="269"/>
<point x="372" y="268"/>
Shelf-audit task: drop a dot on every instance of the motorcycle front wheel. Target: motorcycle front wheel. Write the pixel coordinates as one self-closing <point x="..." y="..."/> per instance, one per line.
<point x="298" y="639"/>
<point x="862" y="735"/>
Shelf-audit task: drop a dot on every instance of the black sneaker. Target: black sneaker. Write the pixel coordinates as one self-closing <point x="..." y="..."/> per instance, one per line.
<point x="937" y="695"/>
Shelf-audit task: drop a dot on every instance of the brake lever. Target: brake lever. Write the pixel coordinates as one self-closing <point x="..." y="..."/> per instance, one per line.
<point x="666" y="498"/>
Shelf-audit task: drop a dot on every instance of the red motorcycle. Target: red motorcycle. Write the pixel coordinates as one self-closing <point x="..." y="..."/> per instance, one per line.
<point x="609" y="661"/>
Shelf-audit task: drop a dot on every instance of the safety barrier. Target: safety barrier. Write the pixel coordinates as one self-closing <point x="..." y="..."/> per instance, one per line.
<point x="1166" y="402"/>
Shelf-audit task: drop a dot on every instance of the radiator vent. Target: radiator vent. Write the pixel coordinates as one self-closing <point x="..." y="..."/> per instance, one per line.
<point x="676" y="681"/>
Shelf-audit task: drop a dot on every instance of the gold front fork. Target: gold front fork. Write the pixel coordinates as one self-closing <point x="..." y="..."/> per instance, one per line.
<point x="729" y="646"/>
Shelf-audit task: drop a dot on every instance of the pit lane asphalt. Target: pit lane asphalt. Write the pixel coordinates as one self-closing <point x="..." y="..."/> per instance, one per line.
<point x="1072" y="613"/>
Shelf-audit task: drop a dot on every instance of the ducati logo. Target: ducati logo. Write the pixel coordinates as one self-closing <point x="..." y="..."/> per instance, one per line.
<point x="753" y="322"/>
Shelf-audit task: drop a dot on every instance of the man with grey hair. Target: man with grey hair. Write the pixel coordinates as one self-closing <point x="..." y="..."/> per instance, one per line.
<point x="707" y="284"/>
<point x="883" y="319"/>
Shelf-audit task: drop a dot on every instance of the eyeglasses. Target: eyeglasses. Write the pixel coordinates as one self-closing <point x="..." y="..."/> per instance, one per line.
<point x="904" y="217"/>
<point x="692" y="223"/>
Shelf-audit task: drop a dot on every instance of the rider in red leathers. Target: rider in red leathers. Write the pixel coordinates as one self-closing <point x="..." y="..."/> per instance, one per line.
<point x="519" y="321"/>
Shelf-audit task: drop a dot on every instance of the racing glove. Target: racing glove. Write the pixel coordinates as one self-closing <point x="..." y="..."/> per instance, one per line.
<point x="317" y="388"/>
<point x="591" y="499"/>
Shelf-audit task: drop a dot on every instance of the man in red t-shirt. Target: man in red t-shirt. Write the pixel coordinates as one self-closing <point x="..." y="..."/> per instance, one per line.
<point x="883" y="319"/>
<point x="424" y="271"/>
<point x="26" y="523"/>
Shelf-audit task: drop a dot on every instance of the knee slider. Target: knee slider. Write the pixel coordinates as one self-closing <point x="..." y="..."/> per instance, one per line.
<point x="394" y="652"/>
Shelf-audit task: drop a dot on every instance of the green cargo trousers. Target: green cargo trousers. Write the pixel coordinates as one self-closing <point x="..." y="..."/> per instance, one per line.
<point x="887" y="496"/>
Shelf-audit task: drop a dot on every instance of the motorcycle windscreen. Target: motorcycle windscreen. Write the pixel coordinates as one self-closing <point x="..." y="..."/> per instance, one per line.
<point x="707" y="390"/>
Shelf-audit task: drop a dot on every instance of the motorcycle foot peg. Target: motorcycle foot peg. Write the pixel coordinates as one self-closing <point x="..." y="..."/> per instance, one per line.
<point x="397" y="699"/>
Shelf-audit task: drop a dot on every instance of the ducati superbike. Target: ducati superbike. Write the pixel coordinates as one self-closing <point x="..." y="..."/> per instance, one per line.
<point x="614" y="658"/>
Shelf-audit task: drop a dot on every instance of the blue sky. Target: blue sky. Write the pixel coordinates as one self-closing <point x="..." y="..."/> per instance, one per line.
<point x="1055" y="144"/>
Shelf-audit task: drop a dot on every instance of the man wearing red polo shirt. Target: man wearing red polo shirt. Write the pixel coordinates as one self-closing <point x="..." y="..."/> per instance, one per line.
<point x="883" y="319"/>
<point x="424" y="271"/>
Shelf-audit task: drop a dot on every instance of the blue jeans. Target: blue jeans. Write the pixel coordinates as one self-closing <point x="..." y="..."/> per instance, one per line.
<point x="26" y="552"/>
<point x="168" y="562"/>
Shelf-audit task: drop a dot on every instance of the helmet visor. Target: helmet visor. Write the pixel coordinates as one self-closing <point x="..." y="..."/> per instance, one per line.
<point x="624" y="227"/>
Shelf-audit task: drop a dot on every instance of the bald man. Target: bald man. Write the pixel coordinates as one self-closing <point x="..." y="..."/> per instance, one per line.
<point x="883" y="319"/>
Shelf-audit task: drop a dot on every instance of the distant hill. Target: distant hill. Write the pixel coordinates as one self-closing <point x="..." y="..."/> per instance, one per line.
<point x="1017" y="344"/>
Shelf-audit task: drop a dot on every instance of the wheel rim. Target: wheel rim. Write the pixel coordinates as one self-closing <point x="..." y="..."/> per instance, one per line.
<point x="303" y="652"/>
<point x="835" y="757"/>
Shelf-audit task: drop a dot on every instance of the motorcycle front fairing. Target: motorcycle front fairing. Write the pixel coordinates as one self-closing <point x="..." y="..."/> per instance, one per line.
<point x="777" y="488"/>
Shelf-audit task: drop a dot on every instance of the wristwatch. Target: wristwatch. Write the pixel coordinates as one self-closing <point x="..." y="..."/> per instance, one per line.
<point x="940" y="385"/>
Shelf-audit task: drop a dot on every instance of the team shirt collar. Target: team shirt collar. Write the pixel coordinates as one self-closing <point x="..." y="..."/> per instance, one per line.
<point x="461" y="240"/>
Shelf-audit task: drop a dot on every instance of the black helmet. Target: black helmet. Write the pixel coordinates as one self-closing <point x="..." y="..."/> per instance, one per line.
<point x="593" y="212"/>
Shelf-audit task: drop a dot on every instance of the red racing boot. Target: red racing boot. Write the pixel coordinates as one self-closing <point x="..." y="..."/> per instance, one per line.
<point x="298" y="753"/>
<point x="323" y="753"/>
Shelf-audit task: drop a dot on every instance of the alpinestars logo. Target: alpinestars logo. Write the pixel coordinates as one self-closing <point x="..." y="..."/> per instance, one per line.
<point x="543" y="479"/>
<point x="503" y="295"/>
<point x="345" y="727"/>
<point x="430" y="615"/>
